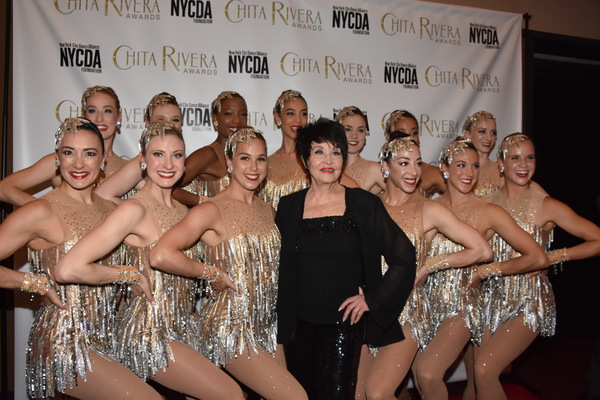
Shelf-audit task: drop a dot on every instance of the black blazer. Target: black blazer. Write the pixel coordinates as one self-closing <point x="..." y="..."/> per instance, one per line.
<point x="379" y="236"/>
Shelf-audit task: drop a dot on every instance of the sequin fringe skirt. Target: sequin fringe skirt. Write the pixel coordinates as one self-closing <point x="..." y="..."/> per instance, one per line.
<point x="506" y="297"/>
<point x="449" y="296"/>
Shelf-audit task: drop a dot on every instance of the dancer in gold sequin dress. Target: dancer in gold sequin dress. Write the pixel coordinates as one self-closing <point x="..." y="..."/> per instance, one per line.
<point x="206" y="172"/>
<point x="70" y="347"/>
<point x="517" y="308"/>
<point x="238" y="327"/>
<point x="156" y="341"/>
<point x="366" y="173"/>
<point x="453" y="296"/>
<point x="101" y="106"/>
<point x="405" y="122"/>
<point x="420" y="219"/>
<point x="163" y="107"/>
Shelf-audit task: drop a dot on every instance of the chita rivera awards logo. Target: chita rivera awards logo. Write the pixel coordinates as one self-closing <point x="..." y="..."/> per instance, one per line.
<point x="354" y="19"/>
<point x="330" y="67"/>
<point x="166" y="58"/>
<point x="404" y="74"/>
<point x="200" y="12"/>
<point x="85" y="57"/>
<point x="146" y="10"/>
<point x="465" y="78"/>
<point x="421" y="27"/>
<point x="486" y="35"/>
<point x="253" y="63"/>
<point x="276" y="12"/>
<point x="432" y="125"/>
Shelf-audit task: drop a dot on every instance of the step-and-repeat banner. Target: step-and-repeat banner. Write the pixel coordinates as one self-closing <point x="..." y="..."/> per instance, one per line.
<point x="440" y="62"/>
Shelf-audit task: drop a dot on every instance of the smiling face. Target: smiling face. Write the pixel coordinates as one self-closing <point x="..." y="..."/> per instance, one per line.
<point x="165" y="160"/>
<point x="80" y="156"/>
<point x="167" y="113"/>
<point x="249" y="164"/>
<point x="483" y="135"/>
<point x="355" y="127"/>
<point x="464" y="171"/>
<point x="233" y="116"/>
<point x="405" y="170"/>
<point x="519" y="163"/>
<point x="325" y="163"/>
<point x="292" y="117"/>
<point x="101" y="109"/>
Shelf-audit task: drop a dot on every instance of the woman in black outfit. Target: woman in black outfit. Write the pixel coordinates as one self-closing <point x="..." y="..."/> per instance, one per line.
<point x="332" y="240"/>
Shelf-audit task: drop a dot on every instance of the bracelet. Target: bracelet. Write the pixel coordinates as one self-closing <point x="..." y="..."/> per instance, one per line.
<point x="35" y="283"/>
<point x="436" y="263"/>
<point x="127" y="274"/>
<point x="558" y="256"/>
<point x="212" y="274"/>
<point x="489" y="270"/>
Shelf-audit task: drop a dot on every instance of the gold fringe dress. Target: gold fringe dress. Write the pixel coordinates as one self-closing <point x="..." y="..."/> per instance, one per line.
<point x="209" y="188"/>
<point x="60" y="341"/>
<point x="506" y="297"/>
<point x="282" y="179"/>
<point x="448" y="290"/>
<point x="416" y="312"/>
<point x="144" y="331"/>
<point x="232" y="322"/>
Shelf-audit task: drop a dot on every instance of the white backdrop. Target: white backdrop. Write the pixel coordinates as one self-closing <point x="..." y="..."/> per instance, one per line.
<point x="440" y="62"/>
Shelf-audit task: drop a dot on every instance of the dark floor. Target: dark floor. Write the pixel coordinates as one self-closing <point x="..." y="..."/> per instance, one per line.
<point x="550" y="369"/>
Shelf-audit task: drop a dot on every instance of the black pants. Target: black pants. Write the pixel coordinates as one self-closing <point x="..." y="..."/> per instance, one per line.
<point x="324" y="358"/>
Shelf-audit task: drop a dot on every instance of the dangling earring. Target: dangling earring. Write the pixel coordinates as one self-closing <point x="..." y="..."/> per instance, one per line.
<point x="216" y="124"/>
<point x="229" y="169"/>
<point x="102" y="167"/>
<point x="446" y="175"/>
<point x="118" y="124"/>
<point x="143" y="166"/>
<point x="278" y="123"/>
<point x="57" y="163"/>
<point x="386" y="174"/>
<point x="502" y="169"/>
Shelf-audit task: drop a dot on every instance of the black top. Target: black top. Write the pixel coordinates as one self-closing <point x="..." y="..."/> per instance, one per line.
<point x="329" y="267"/>
<point x="379" y="235"/>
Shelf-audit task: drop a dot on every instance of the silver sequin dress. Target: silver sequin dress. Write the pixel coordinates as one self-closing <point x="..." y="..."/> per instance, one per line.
<point x="60" y="341"/>
<point x="448" y="290"/>
<point x="506" y="297"/>
<point x="144" y="331"/>
<point x="244" y="320"/>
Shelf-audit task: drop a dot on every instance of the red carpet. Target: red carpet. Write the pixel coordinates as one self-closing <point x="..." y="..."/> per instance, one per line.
<point x="513" y="392"/>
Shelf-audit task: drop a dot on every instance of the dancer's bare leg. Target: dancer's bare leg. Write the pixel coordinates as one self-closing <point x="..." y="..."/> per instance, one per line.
<point x="469" y="359"/>
<point x="194" y="375"/>
<point x="265" y="375"/>
<point x="111" y="380"/>
<point x="390" y="367"/>
<point x="431" y="364"/>
<point x="364" y="367"/>
<point x="496" y="352"/>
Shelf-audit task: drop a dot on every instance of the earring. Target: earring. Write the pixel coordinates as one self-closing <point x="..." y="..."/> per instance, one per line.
<point x="57" y="163"/>
<point x="118" y="124"/>
<point x="102" y="167"/>
<point x="216" y="124"/>
<point x="446" y="175"/>
<point x="229" y="169"/>
<point x="386" y="174"/>
<point x="278" y="124"/>
<point x="143" y="166"/>
<point x="501" y="169"/>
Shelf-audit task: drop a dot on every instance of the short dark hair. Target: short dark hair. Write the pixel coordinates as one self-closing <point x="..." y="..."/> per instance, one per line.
<point x="324" y="130"/>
